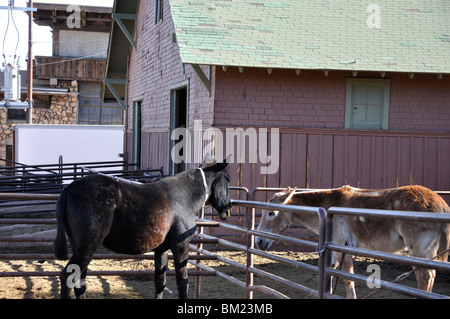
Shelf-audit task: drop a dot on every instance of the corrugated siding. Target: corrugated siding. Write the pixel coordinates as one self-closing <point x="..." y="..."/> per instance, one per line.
<point x="328" y="159"/>
<point x="332" y="158"/>
<point x="154" y="152"/>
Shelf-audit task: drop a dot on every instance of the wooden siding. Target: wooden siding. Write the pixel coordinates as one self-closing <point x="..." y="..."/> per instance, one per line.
<point x="364" y="159"/>
<point x="317" y="158"/>
<point x="328" y="159"/>
<point x="155" y="150"/>
<point x="64" y="68"/>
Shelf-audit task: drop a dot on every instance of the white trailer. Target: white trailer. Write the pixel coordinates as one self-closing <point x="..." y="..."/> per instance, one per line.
<point x="44" y="144"/>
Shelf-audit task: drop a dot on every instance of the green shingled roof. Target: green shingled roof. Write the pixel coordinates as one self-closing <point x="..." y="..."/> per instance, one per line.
<point x="413" y="35"/>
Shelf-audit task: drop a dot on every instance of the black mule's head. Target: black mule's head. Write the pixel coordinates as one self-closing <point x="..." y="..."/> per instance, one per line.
<point x="219" y="197"/>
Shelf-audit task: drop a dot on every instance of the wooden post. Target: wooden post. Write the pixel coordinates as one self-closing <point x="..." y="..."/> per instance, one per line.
<point x="30" y="66"/>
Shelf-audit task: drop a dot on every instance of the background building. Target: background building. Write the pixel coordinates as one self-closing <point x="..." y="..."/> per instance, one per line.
<point x="67" y="85"/>
<point x="360" y="94"/>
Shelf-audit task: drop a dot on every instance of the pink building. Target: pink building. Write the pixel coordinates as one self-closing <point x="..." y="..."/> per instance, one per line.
<point x="360" y="95"/>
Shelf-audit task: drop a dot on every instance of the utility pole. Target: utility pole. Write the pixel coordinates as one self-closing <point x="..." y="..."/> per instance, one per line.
<point x="30" y="65"/>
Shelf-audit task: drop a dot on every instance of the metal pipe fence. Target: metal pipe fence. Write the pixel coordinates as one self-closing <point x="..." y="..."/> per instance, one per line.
<point x="355" y="251"/>
<point x="323" y="246"/>
<point x="249" y="249"/>
<point x="52" y="178"/>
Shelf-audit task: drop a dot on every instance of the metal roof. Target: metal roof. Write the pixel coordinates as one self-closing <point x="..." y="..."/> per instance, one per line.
<point x="391" y="36"/>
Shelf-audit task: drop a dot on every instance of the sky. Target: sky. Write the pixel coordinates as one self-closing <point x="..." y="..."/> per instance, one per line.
<point x="42" y="36"/>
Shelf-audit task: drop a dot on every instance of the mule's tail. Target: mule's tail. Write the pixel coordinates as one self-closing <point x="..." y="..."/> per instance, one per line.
<point x="60" y="241"/>
<point x="444" y="243"/>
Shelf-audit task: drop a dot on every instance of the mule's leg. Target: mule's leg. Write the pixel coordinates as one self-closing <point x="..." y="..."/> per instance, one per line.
<point x="80" y="293"/>
<point x="72" y="277"/>
<point x="424" y="247"/>
<point x="65" y="288"/>
<point x="180" y="258"/>
<point x="343" y="262"/>
<point x="425" y="277"/>
<point x="84" y="246"/>
<point x="74" y="274"/>
<point x="160" y="272"/>
<point x="349" y="285"/>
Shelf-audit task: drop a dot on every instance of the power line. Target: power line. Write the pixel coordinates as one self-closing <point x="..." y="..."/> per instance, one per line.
<point x="11" y="16"/>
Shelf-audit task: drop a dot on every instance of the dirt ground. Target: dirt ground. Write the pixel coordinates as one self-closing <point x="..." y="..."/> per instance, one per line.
<point x="211" y="287"/>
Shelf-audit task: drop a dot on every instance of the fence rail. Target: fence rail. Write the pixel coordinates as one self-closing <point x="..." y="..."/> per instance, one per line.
<point x="52" y="178"/>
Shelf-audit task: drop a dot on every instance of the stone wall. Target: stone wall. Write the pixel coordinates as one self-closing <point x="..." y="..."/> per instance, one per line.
<point x="6" y="133"/>
<point x="62" y="110"/>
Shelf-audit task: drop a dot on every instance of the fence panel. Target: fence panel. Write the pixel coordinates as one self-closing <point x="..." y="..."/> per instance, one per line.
<point x="365" y="213"/>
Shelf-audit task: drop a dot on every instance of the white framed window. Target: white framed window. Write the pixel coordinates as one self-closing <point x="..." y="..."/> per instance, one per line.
<point x="93" y="111"/>
<point x="367" y="104"/>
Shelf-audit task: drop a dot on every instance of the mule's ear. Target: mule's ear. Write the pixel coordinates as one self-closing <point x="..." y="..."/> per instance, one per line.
<point x="208" y="161"/>
<point x="218" y="167"/>
<point x="225" y="163"/>
<point x="287" y="190"/>
<point x="228" y="160"/>
<point x="276" y="198"/>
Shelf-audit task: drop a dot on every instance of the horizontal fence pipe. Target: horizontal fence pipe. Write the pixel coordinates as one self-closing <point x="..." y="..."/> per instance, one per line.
<point x="25" y="197"/>
<point x="26" y="239"/>
<point x="27" y="203"/>
<point x="223" y="259"/>
<point x="224" y="242"/>
<point x="222" y="275"/>
<point x="286" y="208"/>
<point x="404" y="215"/>
<point x="58" y="166"/>
<point x="233" y="227"/>
<point x="285" y="261"/>
<point x="410" y="291"/>
<point x="124" y="273"/>
<point x="98" y="256"/>
<point x="202" y="223"/>
<point x="292" y="285"/>
<point x="31" y="221"/>
<point x="268" y="291"/>
<point x="281" y="238"/>
<point x="409" y="260"/>
<point x="27" y="221"/>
